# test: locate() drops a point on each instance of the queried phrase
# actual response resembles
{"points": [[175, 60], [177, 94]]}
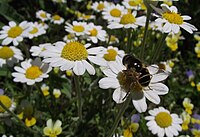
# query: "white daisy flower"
{"points": [[172, 20], [86, 17], [132, 4], [43, 15], [96, 33], [108, 55], [31, 71], [8, 103], [9, 55], [129, 83], [36, 50], [14, 33], [100, 6], [70, 37], [71, 56], [78, 28], [35, 30], [162, 123], [56, 19], [128, 20], [114, 12], [45, 26]]}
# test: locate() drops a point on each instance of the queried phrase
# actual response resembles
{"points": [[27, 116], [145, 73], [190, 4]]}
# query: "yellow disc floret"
{"points": [[172, 17], [34, 30], [43, 15], [100, 6], [56, 17], [93, 32], [78, 28], [74, 51], [111, 55], [15, 31], [127, 19], [163, 119], [33, 72], [115, 12], [6, 101], [6, 53]]}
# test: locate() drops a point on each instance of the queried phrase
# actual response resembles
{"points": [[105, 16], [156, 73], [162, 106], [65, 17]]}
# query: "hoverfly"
{"points": [[131, 62]]}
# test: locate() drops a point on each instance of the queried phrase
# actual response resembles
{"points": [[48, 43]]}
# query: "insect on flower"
{"points": [[136, 76]]}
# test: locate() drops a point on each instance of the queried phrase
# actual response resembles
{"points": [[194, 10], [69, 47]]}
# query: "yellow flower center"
{"points": [[86, 16], [6, 101], [111, 55], [100, 6], [78, 28], [127, 19], [56, 17], [6, 53], [173, 17], [43, 15], [15, 31], [115, 12], [163, 119], [34, 30], [33, 72], [162, 66], [74, 51], [93, 32]]}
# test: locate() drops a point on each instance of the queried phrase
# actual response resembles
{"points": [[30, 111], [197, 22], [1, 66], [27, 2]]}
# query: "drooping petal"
{"points": [[152, 96], [119, 95], [90, 69], [79, 68], [140, 105]]}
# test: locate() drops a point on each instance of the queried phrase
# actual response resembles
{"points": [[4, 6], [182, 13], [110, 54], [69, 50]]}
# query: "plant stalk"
{"points": [[79, 99], [119, 115], [158, 48]]}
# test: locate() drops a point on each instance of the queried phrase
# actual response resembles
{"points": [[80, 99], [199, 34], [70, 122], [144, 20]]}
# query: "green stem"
{"points": [[15, 116], [79, 99], [143, 45], [158, 48], [129, 41], [45, 100], [119, 115]]}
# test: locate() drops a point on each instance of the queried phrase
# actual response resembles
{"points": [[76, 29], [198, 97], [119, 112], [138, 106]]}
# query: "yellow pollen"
{"points": [[56, 17], [6, 53], [6, 101], [115, 13], [34, 30], [127, 19], [163, 119], [74, 51], [173, 17], [78, 28], [111, 55], [15, 31], [100, 6], [33, 72], [93, 32], [162, 66], [43, 15], [86, 16]]}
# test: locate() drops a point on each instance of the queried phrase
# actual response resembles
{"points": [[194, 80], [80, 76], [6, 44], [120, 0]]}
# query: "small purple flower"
{"points": [[196, 116], [190, 75], [1, 91], [135, 118]]}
